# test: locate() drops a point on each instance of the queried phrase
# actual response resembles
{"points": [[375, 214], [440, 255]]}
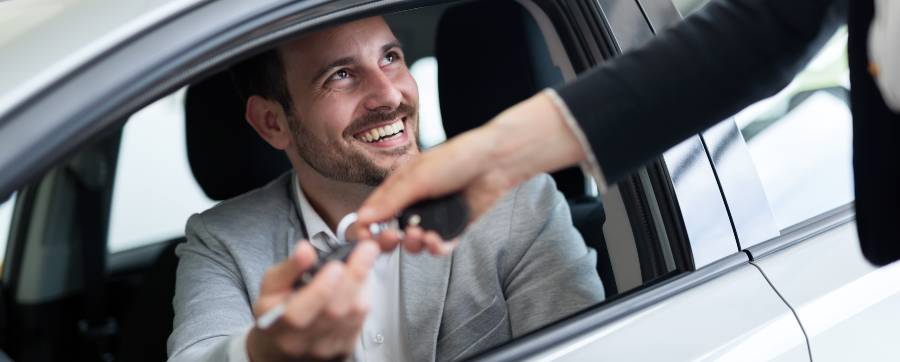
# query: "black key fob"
{"points": [[447, 216], [341, 253]]}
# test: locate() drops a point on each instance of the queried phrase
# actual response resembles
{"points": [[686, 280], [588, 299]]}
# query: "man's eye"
{"points": [[341, 74], [390, 58]]}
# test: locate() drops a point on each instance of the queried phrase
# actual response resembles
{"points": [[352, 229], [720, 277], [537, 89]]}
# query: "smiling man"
{"points": [[343, 106]]}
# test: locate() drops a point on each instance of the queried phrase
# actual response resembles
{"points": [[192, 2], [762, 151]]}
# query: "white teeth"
{"points": [[389, 130]]}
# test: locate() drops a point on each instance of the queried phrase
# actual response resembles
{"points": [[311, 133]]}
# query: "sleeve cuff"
{"points": [[237, 347], [589, 166]]}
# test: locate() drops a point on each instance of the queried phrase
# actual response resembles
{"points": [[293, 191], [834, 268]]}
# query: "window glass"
{"points": [[431, 128], [6, 211], [155, 192], [686, 7], [800, 139]]}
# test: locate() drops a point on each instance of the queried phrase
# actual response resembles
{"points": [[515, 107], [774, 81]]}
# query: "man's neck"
{"points": [[331, 199]]}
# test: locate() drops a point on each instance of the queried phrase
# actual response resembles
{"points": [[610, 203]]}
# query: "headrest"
{"points": [[491, 55], [483, 62], [226, 155]]}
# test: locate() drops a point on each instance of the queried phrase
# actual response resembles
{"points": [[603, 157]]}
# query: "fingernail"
{"points": [[333, 272], [369, 247], [366, 213]]}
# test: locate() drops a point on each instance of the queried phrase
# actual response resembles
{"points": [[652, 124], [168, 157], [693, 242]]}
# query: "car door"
{"points": [[708, 303], [724, 308], [785, 167]]}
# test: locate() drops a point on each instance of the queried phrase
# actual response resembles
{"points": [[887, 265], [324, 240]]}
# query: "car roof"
{"points": [[43, 40]]}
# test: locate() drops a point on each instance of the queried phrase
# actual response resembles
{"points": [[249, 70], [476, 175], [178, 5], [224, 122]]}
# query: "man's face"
{"points": [[355, 104]]}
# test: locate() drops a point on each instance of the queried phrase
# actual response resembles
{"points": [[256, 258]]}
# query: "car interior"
{"points": [[73, 298]]}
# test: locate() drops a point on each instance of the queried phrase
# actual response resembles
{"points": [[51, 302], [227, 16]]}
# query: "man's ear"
{"points": [[269, 120]]}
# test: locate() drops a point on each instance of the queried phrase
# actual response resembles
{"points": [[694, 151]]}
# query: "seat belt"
{"points": [[97, 328]]}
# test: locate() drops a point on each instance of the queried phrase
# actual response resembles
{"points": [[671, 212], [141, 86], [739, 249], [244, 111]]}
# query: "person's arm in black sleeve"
{"points": [[626, 111], [722, 58]]}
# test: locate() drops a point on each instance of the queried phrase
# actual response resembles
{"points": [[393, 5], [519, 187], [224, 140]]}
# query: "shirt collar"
{"points": [[317, 231]]}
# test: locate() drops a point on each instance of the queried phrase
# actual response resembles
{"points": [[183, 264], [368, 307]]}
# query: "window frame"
{"points": [[690, 163], [691, 169], [755, 226], [5, 237], [211, 48]]}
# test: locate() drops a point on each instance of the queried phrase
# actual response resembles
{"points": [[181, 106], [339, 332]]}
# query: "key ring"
{"points": [[350, 219], [345, 223]]}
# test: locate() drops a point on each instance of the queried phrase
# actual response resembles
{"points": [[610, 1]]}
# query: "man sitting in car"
{"points": [[342, 105]]}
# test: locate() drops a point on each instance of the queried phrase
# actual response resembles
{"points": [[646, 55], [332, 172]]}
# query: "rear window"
{"points": [[155, 191]]}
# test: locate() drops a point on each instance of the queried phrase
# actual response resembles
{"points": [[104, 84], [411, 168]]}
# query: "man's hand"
{"points": [[323, 319]]}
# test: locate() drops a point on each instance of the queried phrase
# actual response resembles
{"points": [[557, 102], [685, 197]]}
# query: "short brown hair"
{"points": [[263, 75]]}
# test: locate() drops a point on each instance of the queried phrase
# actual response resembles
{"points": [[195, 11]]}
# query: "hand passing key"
{"points": [[433, 225]]}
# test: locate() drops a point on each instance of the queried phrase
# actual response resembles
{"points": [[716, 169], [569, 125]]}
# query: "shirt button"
{"points": [[378, 338]]}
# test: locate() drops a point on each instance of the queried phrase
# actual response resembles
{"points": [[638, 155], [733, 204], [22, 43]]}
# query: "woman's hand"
{"points": [[483, 164]]}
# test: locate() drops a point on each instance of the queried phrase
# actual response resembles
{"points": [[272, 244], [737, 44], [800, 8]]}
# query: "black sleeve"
{"points": [[722, 58]]}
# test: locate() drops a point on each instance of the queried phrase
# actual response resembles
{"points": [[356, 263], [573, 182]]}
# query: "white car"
{"points": [[117, 121]]}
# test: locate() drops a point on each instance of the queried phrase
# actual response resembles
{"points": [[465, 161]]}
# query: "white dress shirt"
{"points": [[884, 53], [381, 338]]}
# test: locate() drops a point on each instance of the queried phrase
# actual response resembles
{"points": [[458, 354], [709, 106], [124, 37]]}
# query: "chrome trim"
{"points": [[660, 14], [563, 333], [626, 21], [804, 231], [744, 195], [703, 209]]}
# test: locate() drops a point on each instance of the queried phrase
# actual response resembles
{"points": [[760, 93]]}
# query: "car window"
{"points": [[6, 211], [431, 127], [154, 191], [800, 139], [686, 7]]}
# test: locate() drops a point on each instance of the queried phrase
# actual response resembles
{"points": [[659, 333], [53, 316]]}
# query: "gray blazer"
{"points": [[521, 266]]}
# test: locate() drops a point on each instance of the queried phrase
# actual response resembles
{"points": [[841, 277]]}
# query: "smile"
{"points": [[382, 133]]}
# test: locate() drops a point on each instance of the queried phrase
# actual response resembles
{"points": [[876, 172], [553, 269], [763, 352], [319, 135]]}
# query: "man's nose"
{"points": [[383, 93]]}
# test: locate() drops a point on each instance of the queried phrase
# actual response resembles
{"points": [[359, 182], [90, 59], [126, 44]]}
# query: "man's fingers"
{"points": [[412, 241], [348, 289], [362, 259], [388, 240], [280, 277], [434, 243], [306, 304]]}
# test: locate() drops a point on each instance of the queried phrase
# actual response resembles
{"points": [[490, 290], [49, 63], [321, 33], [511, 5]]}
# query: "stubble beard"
{"points": [[344, 164]]}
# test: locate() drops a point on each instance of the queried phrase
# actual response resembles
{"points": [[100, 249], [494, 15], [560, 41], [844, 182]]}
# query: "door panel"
{"points": [[847, 306], [736, 316]]}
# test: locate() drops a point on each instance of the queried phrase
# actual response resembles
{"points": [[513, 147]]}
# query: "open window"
{"points": [[471, 60]]}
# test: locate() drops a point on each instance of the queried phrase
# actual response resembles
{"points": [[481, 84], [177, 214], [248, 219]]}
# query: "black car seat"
{"points": [[491, 55], [227, 159]]}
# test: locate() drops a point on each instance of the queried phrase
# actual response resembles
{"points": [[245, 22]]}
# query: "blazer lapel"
{"points": [[297, 229], [423, 289]]}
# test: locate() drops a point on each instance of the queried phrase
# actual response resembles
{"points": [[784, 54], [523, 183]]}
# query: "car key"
{"points": [[446, 216]]}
